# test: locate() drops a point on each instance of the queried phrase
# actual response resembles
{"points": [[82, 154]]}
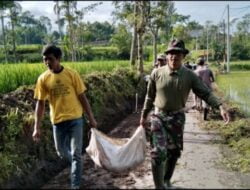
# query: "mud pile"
{"points": [[26, 164]]}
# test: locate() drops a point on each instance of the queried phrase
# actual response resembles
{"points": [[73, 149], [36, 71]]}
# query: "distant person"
{"points": [[161, 61], [65, 91], [167, 92], [206, 75]]}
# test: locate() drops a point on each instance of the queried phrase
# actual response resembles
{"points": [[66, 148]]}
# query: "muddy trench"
{"points": [[112, 98], [48, 167], [199, 167]]}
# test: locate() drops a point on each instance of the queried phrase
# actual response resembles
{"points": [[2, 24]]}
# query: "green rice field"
{"points": [[13, 76], [236, 86]]}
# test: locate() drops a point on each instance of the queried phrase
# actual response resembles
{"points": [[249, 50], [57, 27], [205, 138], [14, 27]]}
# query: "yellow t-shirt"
{"points": [[61, 90]]}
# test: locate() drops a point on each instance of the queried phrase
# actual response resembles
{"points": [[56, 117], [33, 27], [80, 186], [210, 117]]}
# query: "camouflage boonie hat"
{"points": [[177, 45], [161, 57]]}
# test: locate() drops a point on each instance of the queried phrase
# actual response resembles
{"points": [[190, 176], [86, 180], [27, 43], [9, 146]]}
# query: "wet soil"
{"points": [[199, 166]]}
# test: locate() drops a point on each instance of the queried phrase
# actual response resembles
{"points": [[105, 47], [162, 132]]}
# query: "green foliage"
{"points": [[29, 48], [9, 154], [25, 54], [180, 32], [30, 58], [236, 134], [13, 129], [218, 51], [147, 53], [110, 95], [238, 138], [14, 75], [32, 54], [98, 31], [105, 53], [18, 153], [240, 66], [122, 40], [240, 50]]}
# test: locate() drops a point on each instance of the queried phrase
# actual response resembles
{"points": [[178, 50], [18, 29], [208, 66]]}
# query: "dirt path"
{"points": [[198, 166]]}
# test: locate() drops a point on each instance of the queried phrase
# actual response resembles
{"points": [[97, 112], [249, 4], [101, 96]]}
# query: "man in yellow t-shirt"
{"points": [[65, 91]]}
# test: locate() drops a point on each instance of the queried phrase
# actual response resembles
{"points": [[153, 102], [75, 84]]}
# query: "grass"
{"points": [[104, 48], [235, 86], [240, 65], [13, 76], [236, 134]]}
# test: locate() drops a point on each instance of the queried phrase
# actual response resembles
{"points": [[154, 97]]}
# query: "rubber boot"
{"points": [[205, 113], [158, 171], [169, 170]]}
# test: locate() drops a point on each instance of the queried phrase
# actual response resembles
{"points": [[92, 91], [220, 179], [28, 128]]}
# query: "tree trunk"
{"points": [[70, 28], [58, 21], [155, 35], [4, 38], [73, 54], [14, 39], [133, 51], [142, 6], [140, 53]]}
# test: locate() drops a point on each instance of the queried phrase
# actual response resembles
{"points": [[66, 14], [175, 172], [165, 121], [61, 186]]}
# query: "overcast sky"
{"points": [[200, 11]]}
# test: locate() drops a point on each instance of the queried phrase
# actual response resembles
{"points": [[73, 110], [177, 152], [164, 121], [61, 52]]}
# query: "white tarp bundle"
{"points": [[117, 154]]}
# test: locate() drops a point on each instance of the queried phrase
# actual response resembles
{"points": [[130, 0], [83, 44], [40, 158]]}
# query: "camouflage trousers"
{"points": [[166, 135]]}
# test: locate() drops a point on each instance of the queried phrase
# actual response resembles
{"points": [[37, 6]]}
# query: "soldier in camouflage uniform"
{"points": [[167, 92]]}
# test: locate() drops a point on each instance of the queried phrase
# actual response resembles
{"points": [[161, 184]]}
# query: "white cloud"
{"points": [[200, 11], [38, 8]]}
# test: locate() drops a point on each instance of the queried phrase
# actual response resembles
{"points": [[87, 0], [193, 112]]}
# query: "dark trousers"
{"points": [[171, 161]]}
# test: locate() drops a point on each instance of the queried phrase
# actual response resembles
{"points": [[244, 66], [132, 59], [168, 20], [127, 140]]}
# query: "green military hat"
{"points": [[161, 56], [177, 45]]}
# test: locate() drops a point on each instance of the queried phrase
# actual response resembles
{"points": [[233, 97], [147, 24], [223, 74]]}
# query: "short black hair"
{"points": [[52, 49], [200, 61]]}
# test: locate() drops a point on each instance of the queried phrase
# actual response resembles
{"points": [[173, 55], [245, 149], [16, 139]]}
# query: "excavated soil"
{"points": [[199, 166]]}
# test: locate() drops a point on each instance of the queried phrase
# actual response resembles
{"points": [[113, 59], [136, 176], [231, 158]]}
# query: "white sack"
{"points": [[117, 154]]}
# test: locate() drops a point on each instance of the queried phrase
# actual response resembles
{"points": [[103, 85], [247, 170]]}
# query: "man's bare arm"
{"points": [[85, 103], [39, 112]]}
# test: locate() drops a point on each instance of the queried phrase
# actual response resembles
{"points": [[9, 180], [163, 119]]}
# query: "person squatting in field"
{"points": [[167, 91], [65, 91]]}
